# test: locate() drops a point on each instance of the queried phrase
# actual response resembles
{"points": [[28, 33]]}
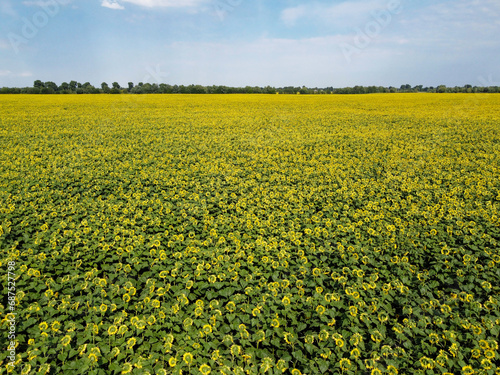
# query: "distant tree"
{"points": [[441, 88], [51, 86], [130, 86], [38, 84], [105, 88], [30, 90], [116, 85], [64, 86], [136, 90], [270, 90], [73, 85], [147, 88]]}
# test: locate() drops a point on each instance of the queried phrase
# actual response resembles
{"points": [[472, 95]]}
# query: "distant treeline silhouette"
{"points": [[75, 87]]}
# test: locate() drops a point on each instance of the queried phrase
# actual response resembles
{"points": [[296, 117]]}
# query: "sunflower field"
{"points": [[250, 234]]}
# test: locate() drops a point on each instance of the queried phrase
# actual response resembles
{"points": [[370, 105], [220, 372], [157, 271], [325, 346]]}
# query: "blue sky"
{"points": [[251, 42]]}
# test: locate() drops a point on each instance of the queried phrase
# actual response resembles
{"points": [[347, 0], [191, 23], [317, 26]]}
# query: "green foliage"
{"points": [[252, 234]]}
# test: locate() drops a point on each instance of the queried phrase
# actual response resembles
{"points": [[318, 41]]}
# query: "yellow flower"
{"points": [[235, 350], [66, 340], [467, 370], [115, 351], [205, 369], [484, 344], [355, 353], [296, 372], [489, 354], [131, 342], [207, 328], [112, 330], [123, 328], [476, 353], [353, 310], [55, 326], [320, 309], [323, 335], [187, 358], [198, 311], [172, 362], [345, 364], [127, 368], [93, 358], [285, 301], [126, 298], [275, 323]]}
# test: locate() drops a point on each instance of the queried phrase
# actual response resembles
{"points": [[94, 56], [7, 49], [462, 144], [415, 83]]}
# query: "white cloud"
{"points": [[45, 3], [341, 13], [7, 9], [166, 3], [456, 27], [290, 15], [111, 5], [4, 44], [9, 73]]}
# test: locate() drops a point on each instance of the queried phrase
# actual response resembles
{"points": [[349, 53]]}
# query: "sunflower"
{"points": [[112, 330], [127, 368], [115, 351], [172, 361], [66, 340], [55, 326], [235, 350], [320, 309], [26, 369], [344, 364], [207, 328], [205, 369], [187, 358], [489, 354], [131, 342], [353, 310], [355, 353], [163, 274]]}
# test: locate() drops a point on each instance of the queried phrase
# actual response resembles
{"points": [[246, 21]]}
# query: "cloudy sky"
{"points": [[251, 42]]}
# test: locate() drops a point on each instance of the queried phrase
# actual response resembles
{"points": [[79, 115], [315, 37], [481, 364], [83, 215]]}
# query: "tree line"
{"points": [[75, 87]]}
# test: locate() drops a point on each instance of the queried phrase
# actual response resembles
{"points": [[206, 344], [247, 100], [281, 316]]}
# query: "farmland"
{"points": [[246, 234]]}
